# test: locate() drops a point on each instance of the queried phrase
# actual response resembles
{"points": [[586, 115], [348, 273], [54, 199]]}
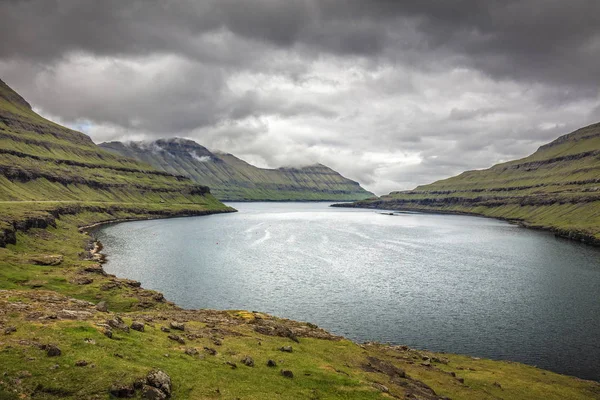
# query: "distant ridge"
{"points": [[555, 188], [231, 178]]}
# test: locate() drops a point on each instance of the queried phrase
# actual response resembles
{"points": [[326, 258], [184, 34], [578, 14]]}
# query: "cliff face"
{"points": [[557, 188], [48, 165], [230, 178]]}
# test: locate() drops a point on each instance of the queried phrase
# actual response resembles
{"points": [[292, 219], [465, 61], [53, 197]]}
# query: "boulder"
{"points": [[152, 393], [102, 306], [287, 373], [271, 363], [137, 326], [286, 349], [160, 380], [248, 361], [177, 326], [122, 391], [53, 351]]}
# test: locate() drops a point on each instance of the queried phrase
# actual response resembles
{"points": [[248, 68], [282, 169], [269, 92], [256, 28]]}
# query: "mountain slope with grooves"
{"points": [[230, 178], [56, 170], [556, 188]]}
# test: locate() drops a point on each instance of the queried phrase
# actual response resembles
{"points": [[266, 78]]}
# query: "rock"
{"points": [[108, 333], [152, 393], [118, 323], [122, 391], [102, 306], [286, 349], [461, 380], [497, 385], [232, 365], [51, 260], [248, 361], [217, 342], [177, 326], [83, 280], [210, 351], [160, 380], [190, 351], [287, 373], [74, 314], [381, 387], [271, 363], [53, 351], [139, 383], [426, 363], [159, 297], [165, 329], [95, 269], [177, 339], [131, 283], [9, 330], [81, 363], [137, 326], [24, 374]]}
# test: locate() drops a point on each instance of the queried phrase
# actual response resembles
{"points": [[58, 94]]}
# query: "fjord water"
{"points": [[440, 282]]}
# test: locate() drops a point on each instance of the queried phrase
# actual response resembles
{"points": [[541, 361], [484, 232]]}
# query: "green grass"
{"points": [[556, 188]]}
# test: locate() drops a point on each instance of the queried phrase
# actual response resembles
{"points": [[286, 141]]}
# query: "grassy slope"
{"points": [[233, 179], [557, 188], [54, 304]]}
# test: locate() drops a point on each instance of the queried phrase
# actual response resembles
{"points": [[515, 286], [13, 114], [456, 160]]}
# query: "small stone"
{"points": [[55, 366], [9, 330], [381, 387], [248, 361], [152, 393], [118, 355], [231, 364], [271, 363], [497, 385], [102, 306], [217, 342], [190, 351], [89, 341], [137, 326], [108, 333], [122, 391], [426, 363], [287, 373], [210, 351], [165, 329], [118, 323], [139, 383], [81, 363], [160, 380], [461, 380], [177, 326], [286, 349], [53, 351], [177, 339]]}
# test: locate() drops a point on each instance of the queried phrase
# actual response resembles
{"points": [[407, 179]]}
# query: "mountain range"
{"points": [[556, 188], [233, 179]]}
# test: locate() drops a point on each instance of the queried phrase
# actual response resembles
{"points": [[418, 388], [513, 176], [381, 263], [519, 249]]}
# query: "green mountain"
{"points": [[230, 178], [47, 169], [556, 188]]}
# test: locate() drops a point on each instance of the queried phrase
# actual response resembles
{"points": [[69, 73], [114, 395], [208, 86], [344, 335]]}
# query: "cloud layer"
{"points": [[390, 94]]}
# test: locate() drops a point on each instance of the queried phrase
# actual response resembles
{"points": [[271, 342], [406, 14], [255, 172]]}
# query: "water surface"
{"points": [[440, 282]]}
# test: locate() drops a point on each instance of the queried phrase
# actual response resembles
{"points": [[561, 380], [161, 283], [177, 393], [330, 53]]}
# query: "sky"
{"points": [[392, 94]]}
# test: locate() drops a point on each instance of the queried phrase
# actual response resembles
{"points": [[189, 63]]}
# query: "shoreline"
{"points": [[569, 235]]}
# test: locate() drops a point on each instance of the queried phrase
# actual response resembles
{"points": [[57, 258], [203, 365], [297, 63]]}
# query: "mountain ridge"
{"points": [[556, 188], [233, 179]]}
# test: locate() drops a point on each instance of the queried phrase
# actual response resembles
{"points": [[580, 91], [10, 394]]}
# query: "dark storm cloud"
{"points": [[389, 92]]}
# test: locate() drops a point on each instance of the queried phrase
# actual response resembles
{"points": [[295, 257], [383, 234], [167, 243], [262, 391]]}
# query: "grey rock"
{"points": [[286, 349], [271, 363], [152, 393], [102, 306], [122, 391], [287, 373], [137, 326], [381, 388], [160, 380], [81, 363], [177, 326], [248, 361], [177, 339], [53, 351]]}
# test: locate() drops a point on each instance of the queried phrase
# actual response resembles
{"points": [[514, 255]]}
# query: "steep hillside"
{"points": [[230, 178], [57, 170], [557, 188]]}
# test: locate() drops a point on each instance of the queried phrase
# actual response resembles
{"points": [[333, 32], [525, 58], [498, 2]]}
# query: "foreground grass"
{"points": [[55, 305]]}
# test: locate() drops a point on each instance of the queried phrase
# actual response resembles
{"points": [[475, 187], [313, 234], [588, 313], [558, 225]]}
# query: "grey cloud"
{"points": [[387, 92]]}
